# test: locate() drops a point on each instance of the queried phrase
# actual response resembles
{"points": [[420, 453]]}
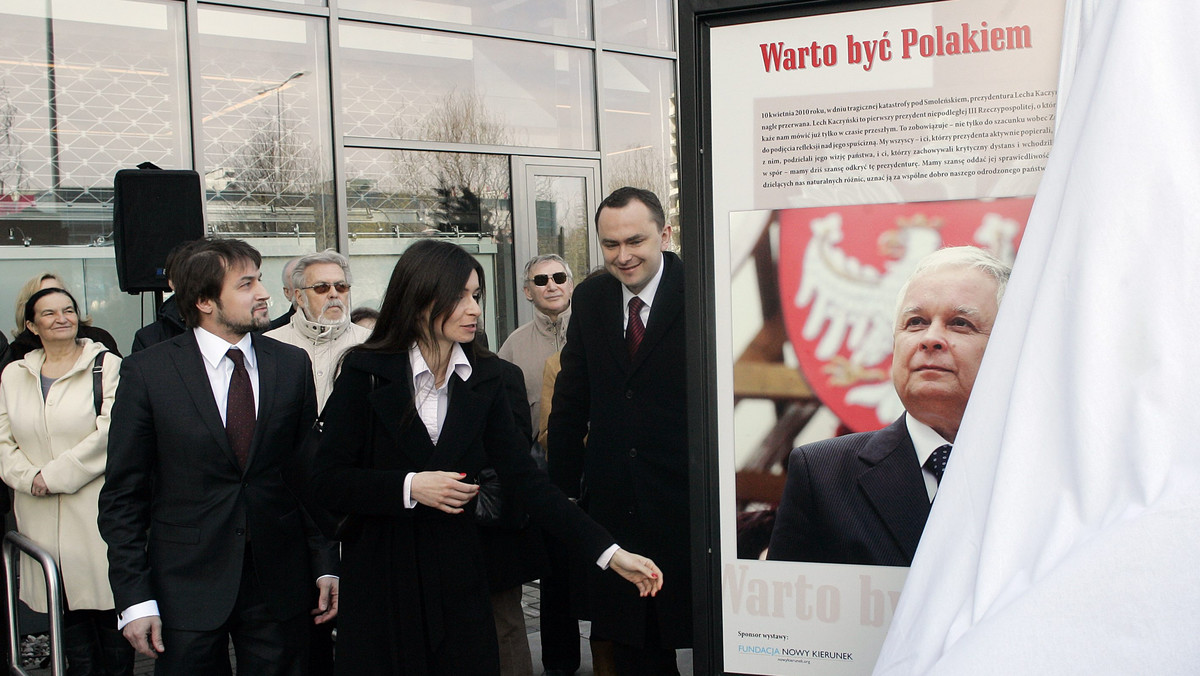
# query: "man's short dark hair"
{"points": [[200, 273], [623, 196]]}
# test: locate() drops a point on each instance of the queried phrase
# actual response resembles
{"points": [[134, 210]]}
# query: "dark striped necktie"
{"points": [[636, 330], [240, 416]]}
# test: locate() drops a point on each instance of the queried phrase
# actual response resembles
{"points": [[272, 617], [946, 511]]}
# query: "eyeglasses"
{"points": [[543, 280], [323, 287]]}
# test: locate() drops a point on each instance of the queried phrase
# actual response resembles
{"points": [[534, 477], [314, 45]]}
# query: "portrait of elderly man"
{"points": [[321, 323], [864, 498]]}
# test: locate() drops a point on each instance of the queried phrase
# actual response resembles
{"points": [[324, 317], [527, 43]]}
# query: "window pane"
{"points": [[639, 123], [428, 86], [397, 197], [562, 220], [268, 154], [560, 18], [105, 91], [638, 23]]}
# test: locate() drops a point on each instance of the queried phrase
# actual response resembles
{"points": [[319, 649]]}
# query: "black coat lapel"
{"points": [[613, 321], [894, 485], [268, 381], [467, 413], [192, 371], [394, 407]]}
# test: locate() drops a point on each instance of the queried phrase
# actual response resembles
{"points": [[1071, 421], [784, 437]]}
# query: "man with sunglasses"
{"points": [[321, 323], [548, 285]]}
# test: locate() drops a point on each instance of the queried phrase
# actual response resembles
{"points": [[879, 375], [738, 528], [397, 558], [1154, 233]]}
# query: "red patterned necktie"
{"points": [[636, 330], [239, 408]]}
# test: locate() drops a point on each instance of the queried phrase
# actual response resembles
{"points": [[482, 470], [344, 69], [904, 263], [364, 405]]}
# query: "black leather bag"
{"points": [[494, 506]]}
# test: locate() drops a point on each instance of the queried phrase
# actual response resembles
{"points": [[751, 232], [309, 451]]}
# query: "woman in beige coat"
{"points": [[53, 448]]}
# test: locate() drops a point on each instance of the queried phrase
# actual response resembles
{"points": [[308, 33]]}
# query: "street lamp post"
{"points": [[276, 146]]}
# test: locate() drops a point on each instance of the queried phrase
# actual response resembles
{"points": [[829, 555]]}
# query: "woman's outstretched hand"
{"points": [[442, 490], [639, 570]]}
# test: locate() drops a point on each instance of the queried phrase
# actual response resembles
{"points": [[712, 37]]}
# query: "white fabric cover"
{"points": [[1065, 538]]}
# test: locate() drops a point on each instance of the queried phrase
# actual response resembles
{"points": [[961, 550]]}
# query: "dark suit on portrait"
{"points": [[633, 414], [179, 514], [414, 587], [860, 499]]}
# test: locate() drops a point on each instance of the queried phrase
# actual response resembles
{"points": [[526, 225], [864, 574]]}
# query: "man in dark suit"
{"points": [[864, 498], [623, 387], [206, 541]]}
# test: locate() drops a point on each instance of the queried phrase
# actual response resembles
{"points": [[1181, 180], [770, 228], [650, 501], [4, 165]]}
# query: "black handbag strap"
{"points": [[98, 382]]}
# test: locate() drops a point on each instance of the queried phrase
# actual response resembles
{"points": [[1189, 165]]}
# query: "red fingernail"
{"points": [[462, 474], [654, 575]]}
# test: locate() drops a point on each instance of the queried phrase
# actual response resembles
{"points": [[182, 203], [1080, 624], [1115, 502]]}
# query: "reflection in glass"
{"points": [[84, 91], [268, 153], [561, 18], [562, 219], [637, 23], [398, 196], [426, 86], [639, 123]]}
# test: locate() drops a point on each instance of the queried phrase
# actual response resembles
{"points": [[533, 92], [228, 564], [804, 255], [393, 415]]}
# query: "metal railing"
{"points": [[14, 544]]}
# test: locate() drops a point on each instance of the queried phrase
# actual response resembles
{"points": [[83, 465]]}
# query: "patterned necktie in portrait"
{"points": [[936, 462]]}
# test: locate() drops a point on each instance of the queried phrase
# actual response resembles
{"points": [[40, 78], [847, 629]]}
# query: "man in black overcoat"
{"points": [[623, 387], [206, 540]]}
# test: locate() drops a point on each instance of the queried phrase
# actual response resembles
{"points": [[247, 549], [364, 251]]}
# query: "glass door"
{"points": [[553, 203]]}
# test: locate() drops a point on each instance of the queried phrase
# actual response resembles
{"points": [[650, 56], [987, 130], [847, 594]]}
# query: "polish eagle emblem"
{"points": [[841, 270]]}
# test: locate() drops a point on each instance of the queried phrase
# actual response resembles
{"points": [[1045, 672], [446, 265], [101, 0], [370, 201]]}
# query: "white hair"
{"points": [[958, 257]]}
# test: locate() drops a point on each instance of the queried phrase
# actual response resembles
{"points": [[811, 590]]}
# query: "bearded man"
{"points": [[321, 324]]}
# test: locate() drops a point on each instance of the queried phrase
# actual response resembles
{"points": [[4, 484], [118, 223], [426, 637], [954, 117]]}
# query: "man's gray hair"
{"points": [[326, 256], [538, 260], [288, 268], [958, 257]]}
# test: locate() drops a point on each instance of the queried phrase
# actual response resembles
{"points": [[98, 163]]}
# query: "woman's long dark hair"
{"points": [[430, 275]]}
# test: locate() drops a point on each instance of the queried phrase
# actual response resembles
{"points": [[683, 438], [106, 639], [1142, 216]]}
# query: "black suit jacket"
{"points": [[633, 414], [859, 498], [176, 510]]}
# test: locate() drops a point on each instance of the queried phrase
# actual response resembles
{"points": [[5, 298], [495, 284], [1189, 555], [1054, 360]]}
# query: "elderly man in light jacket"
{"points": [[321, 324]]}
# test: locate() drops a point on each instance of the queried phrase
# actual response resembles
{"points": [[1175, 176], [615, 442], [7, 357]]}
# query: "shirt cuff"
{"points": [[325, 576], [409, 503], [606, 557], [136, 612]]}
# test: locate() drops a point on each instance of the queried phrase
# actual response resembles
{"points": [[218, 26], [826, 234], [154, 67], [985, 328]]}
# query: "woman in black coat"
{"points": [[416, 413]]}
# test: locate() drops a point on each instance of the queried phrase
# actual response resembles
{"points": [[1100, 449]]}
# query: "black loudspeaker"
{"points": [[153, 211]]}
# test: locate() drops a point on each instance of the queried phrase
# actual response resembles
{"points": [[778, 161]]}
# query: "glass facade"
{"points": [[265, 126], [360, 127]]}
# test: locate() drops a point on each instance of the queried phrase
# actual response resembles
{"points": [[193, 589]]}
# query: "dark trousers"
{"points": [[262, 645], [320, 648], [560, 629], [649, 659], [93, 646], [515, 658]]}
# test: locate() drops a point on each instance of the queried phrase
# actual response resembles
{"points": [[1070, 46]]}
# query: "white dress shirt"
{"points": [[432, 401], [647, 295]]}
